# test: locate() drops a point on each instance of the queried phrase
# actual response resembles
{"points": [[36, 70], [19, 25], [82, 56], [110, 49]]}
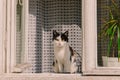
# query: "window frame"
{"points": [[89, 23], [8, 35], [2, 37]]}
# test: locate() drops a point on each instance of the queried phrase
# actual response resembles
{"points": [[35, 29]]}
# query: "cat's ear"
{"points": [[55, 33], [66, 33]]}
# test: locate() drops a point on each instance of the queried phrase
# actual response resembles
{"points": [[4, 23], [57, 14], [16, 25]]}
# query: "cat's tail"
{"points": [[78, 61]]}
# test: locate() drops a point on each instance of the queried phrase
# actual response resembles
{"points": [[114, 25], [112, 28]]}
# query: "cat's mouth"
{"points": [[60, 46]]}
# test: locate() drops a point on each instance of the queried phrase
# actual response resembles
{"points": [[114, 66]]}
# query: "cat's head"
{"points": [[60, 39]]}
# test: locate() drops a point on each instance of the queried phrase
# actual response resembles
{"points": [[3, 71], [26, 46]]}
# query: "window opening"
{"points": [[45, 16], [19, 33], [103, 14]]}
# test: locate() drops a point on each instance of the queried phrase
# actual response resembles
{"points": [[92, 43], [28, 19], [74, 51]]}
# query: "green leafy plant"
{"points": [[111, 29]]}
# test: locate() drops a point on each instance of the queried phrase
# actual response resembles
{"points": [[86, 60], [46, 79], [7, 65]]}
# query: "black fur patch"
{"points": [[75, 60], [54, 62], [64, 36], [71, 53], [55, 34]]}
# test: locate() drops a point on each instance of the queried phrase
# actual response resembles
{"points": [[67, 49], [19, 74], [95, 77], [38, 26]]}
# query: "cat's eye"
{"points": [[57, 39]]}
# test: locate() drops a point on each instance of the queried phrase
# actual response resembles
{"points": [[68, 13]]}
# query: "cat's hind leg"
{"points": [[73, 66]]}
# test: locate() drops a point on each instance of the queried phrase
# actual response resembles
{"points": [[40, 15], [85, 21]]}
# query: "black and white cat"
{"points": [[64, 56]]}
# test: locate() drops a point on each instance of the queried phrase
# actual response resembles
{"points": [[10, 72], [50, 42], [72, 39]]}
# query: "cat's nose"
{"points": [[59, 44]]}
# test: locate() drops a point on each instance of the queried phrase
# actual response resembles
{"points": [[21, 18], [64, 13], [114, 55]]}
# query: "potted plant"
{"points": [[111, 32]]}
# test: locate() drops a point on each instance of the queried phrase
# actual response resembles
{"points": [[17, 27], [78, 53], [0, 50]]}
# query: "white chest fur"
{"points": [[62, 54]]}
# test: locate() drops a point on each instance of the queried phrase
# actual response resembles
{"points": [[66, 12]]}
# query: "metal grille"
{"points": [[101, 12], [45, 16]]}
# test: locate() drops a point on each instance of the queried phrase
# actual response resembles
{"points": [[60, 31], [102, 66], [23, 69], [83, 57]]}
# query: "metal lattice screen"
{"points": [[101, 12], [45, 16]]}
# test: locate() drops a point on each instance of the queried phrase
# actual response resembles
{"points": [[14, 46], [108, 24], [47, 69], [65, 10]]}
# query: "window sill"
{"points": [[43, 76], [53, 76], [103, 71]]}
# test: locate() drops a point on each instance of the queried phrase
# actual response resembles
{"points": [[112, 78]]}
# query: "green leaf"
{"points": [[109, 47], [110, 30], [111, 15], [111, 38], [118, 42], [110, 22], [113, 32]]}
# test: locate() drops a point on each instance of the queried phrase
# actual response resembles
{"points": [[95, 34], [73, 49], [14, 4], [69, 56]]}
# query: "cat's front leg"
{"points": [[55, 66], [67, 66], [60, 66]]}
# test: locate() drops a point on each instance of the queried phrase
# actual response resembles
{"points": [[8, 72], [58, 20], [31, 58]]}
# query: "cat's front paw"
{"points": [[55, 66]]}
